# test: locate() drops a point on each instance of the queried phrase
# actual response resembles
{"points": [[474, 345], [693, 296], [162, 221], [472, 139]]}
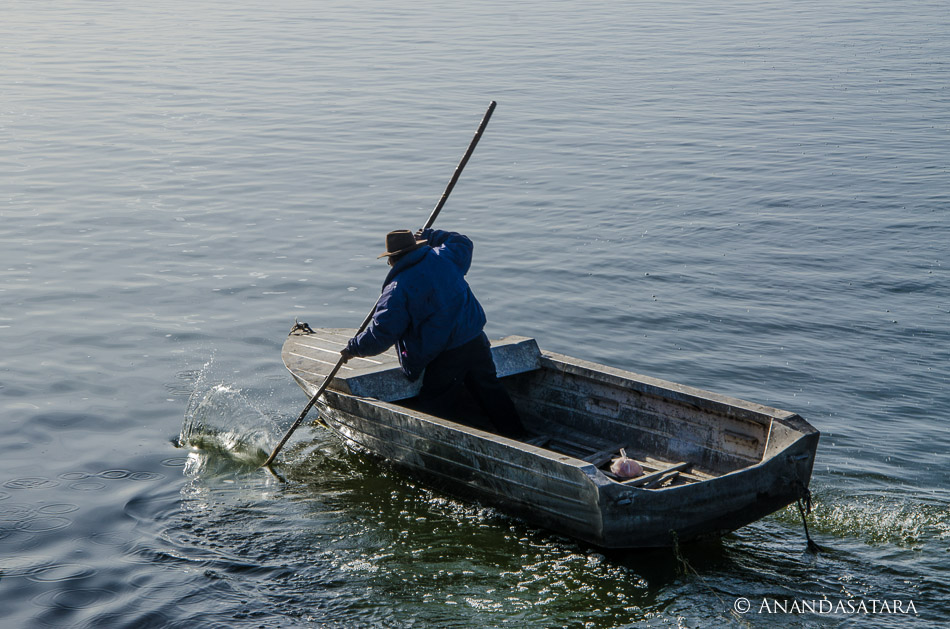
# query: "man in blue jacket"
{"points": [[427, 310]]}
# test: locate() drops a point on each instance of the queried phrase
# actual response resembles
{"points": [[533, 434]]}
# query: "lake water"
{"points": [[747, 197]]}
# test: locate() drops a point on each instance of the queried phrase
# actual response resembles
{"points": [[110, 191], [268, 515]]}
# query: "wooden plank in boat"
{"points": [[581, 446], [539, 441], [692, 475], [671, 478], [641, 481], [657, 473], [314, 355], [599, 458]]}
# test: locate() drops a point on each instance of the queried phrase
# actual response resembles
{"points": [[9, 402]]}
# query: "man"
{"points": [[428, 311]]}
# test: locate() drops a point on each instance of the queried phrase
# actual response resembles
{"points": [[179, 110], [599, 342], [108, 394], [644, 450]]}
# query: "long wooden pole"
{"points": [[458, 169], [369, 317]]}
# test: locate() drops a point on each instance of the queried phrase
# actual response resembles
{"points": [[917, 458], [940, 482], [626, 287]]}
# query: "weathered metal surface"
{"points": [[312, 356], [650, 416], [744, 460]]}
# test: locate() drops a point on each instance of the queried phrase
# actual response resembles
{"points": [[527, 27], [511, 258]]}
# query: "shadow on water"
{"points": [[369, 489], [662, 566]]}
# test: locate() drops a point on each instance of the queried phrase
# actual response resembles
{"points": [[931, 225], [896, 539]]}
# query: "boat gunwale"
{"points": [[703, 399], [665, 389]]}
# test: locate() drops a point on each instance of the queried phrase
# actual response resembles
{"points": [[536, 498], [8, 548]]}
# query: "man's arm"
{"points": [[390, 320]]}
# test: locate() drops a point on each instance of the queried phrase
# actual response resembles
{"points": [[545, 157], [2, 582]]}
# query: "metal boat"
{"points": [[711, 463]]}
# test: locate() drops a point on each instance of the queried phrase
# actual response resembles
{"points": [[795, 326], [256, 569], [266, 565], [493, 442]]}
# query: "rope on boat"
{"points": [[300, 326], [804, 509]]}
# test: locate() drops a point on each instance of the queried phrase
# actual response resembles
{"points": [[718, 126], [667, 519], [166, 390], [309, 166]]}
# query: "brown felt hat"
{"points": [[399, 242]]}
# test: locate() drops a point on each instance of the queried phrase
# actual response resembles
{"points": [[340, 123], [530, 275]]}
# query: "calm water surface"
{"points": [[748, 197]]}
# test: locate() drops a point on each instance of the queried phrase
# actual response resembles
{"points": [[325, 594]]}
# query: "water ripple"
{"points": [[60, 572], [32, 482], [74, 598], [747, 197]]}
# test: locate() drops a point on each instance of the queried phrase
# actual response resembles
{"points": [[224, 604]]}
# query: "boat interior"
{"points": [[676, 438], [675, 435]]}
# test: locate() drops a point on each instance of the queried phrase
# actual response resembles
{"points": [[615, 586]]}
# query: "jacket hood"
{"points": [[408, 260]]}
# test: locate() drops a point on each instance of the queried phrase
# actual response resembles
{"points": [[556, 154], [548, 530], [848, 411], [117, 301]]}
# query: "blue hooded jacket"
{"points": [[426, 306]]}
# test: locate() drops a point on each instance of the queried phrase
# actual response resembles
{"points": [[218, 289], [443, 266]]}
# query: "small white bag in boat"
{"points": [[625, 467]]}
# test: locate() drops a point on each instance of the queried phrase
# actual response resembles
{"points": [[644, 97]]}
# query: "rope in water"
{"points": [[685, 567], [804, 510]]}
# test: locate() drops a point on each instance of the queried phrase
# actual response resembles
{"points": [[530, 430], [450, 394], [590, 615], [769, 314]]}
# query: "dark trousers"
{"points": [[469, 367]]}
